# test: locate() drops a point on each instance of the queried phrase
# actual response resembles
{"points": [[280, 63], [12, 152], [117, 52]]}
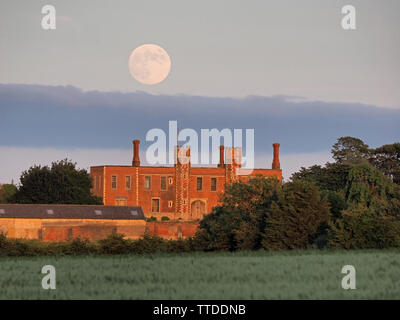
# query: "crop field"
{"points": [[244, 275]]}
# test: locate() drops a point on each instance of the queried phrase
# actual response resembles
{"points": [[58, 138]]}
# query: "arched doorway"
{"points": [[197, 209]]}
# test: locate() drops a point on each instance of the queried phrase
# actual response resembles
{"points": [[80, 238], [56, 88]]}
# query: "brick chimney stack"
{"points": [[136, 159], [221, 157], [275, 163], [182, 155]]}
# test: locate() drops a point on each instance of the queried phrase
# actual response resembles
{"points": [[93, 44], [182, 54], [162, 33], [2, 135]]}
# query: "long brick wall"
{"points": [[67, 229], [172, 229]]}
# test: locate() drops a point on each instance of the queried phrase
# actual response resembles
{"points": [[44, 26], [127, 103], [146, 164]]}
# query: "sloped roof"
{"points": [[49, 211]]}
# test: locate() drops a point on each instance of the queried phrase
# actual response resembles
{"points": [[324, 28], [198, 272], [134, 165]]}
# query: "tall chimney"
{"points": [[136, 160], [221, 157], [237, 156], [275, 163]]}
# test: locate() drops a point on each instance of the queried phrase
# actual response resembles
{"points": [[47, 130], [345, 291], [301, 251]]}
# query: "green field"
{"points": [[244, 275]]}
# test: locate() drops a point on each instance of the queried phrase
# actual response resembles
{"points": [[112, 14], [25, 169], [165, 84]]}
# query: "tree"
{"points": [[7, 192], [350, 150], [366, 186], [239, 222], [361, 228], [331, 180], [296, 218], [369, 188], [337, 202], [62, 183], [217, 229], [372, 216], [332, 177], [387, 159]]}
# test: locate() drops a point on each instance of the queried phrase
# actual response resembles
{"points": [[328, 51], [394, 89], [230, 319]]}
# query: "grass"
{"points": [[243, 275]]}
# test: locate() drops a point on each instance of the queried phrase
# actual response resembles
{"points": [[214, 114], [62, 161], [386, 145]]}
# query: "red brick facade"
{"points": [[172, 229], [177, 192], [55, 222]]}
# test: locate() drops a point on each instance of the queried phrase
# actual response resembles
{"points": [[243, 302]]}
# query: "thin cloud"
{"points": [[67, 117]]}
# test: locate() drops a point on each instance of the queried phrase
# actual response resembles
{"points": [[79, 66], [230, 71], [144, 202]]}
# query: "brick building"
{"points": [[177, 192], [51, 222]]}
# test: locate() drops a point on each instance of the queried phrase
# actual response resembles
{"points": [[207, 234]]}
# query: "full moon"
{"points": [[149, 64]]}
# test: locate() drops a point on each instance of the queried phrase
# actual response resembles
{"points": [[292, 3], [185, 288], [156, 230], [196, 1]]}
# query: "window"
{"points": [[170, 203], [155, 205], [213, 184], [163, 183], [127, 182], [147, 182], [95, 182], [134, 212], [113, 182], [199, 183], [170, 180], [120, 202]]}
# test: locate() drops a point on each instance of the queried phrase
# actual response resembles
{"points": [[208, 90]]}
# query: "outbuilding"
{"points": [[66, 222]]}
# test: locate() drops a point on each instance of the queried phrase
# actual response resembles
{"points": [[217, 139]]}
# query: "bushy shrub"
{"points": [[337, 203], [239, 222], [164, 218], [361, 228], [3, 242], [149, 244], [332, 177], [77, 246], [114, 244], [21, 247], [296, 218], [367, 186], [217, 230], [155, 244], [372, 219], [61, 183], [7, 193], [393, 201]]}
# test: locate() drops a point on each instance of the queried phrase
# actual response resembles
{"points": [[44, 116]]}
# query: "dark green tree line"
{"points": [[61, 183], [351, 203]]}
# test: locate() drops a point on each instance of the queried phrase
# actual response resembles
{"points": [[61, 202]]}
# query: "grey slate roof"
{"points": [[49, 211]]}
